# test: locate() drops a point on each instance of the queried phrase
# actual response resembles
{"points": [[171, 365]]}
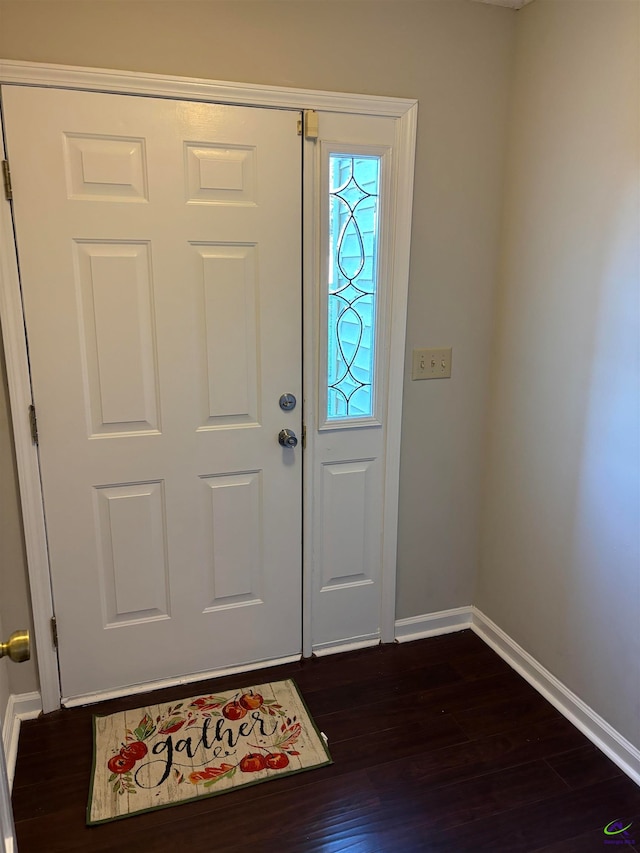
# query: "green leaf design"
{"points": [[145, 728], [228, 775], [214, 700], [170, 723], [112, 778], [288, 737]]}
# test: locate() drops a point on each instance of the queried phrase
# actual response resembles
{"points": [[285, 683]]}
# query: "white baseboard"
{"points": [[621, 751], [433, 624], [24, 706]]}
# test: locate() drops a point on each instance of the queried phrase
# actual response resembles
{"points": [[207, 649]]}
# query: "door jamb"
{"points": [[15, 343]]}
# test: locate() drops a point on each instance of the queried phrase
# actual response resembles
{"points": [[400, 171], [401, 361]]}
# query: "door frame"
{"points": [[14, 333]]}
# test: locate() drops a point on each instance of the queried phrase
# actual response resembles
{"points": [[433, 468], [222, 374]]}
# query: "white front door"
{"points": [[159, 252]]}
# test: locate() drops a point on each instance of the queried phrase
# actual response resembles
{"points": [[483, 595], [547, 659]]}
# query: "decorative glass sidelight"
{"points": [[354, 182]]}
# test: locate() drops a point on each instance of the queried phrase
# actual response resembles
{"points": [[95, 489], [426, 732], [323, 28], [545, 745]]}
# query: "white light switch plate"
{"points": [[431, 364]]}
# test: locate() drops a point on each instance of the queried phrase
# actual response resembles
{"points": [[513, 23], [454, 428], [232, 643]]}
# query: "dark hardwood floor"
{"points": [[437, 746]]}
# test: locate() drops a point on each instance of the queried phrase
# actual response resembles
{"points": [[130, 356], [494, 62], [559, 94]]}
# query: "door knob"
{"points": [[17, 647], [287, 438]]}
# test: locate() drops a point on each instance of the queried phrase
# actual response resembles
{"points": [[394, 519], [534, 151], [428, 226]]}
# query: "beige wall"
{"points": [[5, 690], [561, 551], [455, 57]]}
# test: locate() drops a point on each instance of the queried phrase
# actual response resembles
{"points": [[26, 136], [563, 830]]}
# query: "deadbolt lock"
{"points": [[287, 402]]}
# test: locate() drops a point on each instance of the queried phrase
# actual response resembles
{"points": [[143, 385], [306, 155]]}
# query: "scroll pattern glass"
{"points": [[353, 250]]}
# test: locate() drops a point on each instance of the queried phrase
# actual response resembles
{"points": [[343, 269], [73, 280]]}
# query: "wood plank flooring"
{"points": [[437, 745]]}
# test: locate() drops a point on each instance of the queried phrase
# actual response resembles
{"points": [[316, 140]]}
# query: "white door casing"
{"points": [[161, 282], [403, 113]]}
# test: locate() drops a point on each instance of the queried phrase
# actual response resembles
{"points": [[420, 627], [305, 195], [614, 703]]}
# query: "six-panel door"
{"points": [[159, 250]]}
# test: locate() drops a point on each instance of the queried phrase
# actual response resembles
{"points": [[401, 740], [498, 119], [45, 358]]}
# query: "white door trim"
{"points": [[15, 343], [28, 465], [195, 89], [406, 131]]}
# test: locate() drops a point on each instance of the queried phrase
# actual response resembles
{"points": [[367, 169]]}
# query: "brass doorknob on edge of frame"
{"points": [[17, 647]]}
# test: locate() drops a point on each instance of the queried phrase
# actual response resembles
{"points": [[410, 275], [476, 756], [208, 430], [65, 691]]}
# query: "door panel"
{"points": [[159, 250]]}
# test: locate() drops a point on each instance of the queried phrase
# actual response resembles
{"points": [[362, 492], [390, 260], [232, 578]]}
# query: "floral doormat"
{"points": [[164, 755]]}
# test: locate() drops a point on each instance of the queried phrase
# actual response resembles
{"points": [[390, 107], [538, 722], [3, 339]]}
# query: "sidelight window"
{"points": [[352, 295]]}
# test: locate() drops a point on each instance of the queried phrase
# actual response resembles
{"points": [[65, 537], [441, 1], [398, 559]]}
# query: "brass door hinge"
{"points": [[308, 124], [6, 176], [54, 631], [304, 436], [34, 424]]}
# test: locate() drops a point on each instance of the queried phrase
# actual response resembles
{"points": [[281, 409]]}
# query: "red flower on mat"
{"points": [[234, 711], [253, 762], [135, 750], [120, 763], [276, 760], [250, 701]]}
